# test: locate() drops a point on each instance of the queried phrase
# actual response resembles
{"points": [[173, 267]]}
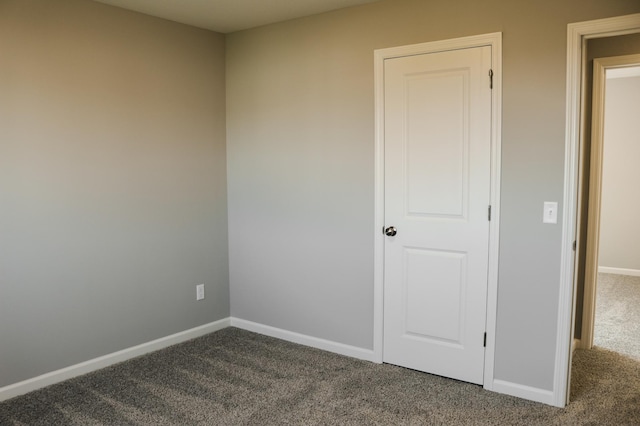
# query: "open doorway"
{"points": [[611, 303], [601, 56], [614, 37]]}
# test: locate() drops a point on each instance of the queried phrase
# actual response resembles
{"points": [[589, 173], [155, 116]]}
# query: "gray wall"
{"points": [[112, 174], [300, 123], [112, 182], [620, 211]]}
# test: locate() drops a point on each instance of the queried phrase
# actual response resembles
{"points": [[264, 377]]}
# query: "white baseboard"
{"points": [[526, 392], [72, 371], [20, 388], [618, 271], [302, 339]]}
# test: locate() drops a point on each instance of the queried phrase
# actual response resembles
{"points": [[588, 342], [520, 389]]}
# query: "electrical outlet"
{"points": [[550, 212], [200, 292]]}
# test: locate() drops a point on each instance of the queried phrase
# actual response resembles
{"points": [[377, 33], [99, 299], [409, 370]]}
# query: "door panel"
{"points": [[436, 172], [429, 272], [437, 192]]}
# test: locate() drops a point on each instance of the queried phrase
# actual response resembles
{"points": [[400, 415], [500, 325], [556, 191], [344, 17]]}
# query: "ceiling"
{"points": [[623, 72], [227, 16]]}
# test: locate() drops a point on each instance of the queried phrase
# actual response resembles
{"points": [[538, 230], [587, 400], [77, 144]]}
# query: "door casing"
{"points": [[495, 41]]}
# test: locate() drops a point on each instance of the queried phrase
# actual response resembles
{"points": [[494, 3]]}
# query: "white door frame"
{"points": [[495, 41], [595, 190], [577, 36]]}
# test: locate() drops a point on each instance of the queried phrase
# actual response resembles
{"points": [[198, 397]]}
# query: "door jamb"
{"points": [[577, 35], [495, 41]]}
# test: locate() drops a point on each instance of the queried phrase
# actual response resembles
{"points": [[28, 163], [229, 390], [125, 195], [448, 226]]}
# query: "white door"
{"points": [[437, 134]]}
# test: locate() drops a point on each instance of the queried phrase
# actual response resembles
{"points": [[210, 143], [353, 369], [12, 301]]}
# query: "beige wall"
{"points": [[112, 182], [300, 157], [620, 211]]}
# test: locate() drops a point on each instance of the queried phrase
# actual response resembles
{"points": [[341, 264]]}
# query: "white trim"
{"points": [[85, 367], [576, 35], [527, 392], [303, 339], [494, 228], [619, 271], [495, 41], [378, 239]]}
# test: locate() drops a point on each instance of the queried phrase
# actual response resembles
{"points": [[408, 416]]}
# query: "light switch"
{"points": [[550, 214]]}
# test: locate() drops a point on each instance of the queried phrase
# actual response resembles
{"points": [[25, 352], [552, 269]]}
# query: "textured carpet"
{"points": [[234, 377], [617, 325]]}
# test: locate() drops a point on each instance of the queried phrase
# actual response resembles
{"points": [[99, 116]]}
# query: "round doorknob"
{"points": [[390, 231]]}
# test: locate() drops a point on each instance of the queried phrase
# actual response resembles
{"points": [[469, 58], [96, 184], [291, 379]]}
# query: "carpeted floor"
{"points": [[617, 325], [234, 377]]}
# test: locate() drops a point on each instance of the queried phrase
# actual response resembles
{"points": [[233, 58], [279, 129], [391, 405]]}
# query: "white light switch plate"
{"points": [[550, 213], [200, 292]]}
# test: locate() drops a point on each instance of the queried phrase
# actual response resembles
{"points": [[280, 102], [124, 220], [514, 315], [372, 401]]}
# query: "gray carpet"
{"points": [[617, 326], [234, 377]]}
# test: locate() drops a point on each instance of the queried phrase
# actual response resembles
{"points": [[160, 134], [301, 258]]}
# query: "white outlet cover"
{"points": [[550, 212]]}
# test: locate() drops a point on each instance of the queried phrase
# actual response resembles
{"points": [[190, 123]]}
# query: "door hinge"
{"points": [[489, 214], [575, 245], [485, 340], [490, 79]]}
